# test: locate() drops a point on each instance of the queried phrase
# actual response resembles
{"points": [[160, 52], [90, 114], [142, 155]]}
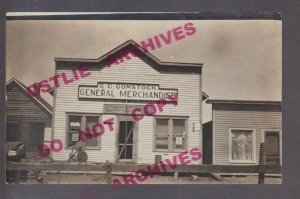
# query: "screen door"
{"points": [[125, 151]]}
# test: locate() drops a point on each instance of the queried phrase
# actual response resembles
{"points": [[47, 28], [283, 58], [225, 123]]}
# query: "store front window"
{"points": [[170, 134], [77, 122]]}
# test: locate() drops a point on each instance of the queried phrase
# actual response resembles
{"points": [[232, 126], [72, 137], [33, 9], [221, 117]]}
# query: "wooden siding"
{"points": [[21, 109], [132, 71], [223, 120], [47, 134]]}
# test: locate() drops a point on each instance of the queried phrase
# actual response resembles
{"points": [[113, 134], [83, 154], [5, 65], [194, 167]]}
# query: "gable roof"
{"points": [[131, 45], [39, 101], [145, 56]]}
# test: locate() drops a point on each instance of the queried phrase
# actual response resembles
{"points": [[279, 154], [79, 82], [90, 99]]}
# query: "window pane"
{"points": [[122, 132], [128, 151], [161, 137], [36, 135], [90, 122], [74, 123], [11, 131], [161, 146], [75, 126], [92, 141], [129, 129], [123, 153], [73, 138], [178, 133], [241, 141], [161, 142], [178, 126], [162, 127]]}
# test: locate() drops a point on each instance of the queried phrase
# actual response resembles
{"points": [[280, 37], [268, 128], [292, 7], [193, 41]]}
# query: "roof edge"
{"points": [[204, 96], [254, 102], [39, 100], [120, 47]]}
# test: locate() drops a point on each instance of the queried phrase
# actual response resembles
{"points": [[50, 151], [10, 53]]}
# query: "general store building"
{"points": [[153, 138]]}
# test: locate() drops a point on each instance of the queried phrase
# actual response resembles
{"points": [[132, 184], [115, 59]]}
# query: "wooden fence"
{"points": [[109, 167]]}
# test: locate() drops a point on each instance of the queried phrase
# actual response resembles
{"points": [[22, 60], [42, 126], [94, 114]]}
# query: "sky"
{"points": [[241, 58]]}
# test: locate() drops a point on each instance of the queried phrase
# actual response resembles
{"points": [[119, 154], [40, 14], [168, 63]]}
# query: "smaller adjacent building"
{"points": [[28, 119], [239, 127]]}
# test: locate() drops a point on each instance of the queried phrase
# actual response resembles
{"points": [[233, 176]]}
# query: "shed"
{"points": [[240, 126], [28, 119]]}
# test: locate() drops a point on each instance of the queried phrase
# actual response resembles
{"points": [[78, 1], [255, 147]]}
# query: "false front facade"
{"points": [[133, 103]]}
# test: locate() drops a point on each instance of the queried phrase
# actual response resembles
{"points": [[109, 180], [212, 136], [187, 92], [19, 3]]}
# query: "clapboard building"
{"points": [[28, 119], [114, 92], [239, 127]]}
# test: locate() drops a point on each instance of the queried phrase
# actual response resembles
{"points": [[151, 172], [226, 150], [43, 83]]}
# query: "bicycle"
{"points": [[78, 153]]}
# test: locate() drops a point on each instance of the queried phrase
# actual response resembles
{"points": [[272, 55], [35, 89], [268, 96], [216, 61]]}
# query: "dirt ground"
{"points": [[100, 179]]}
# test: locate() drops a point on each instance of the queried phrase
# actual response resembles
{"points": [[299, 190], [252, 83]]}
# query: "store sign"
{"points": [[75, 124], [120, 108], [125, 91]]}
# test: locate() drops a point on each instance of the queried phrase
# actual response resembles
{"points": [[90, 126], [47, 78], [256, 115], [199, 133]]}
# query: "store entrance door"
{"points": [[126, 140]]}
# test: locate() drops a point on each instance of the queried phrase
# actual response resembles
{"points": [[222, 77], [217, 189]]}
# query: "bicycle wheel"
{"points": [[82, 156]]}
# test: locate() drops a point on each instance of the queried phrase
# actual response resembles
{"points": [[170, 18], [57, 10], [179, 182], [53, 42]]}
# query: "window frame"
{"points": [[253, 161], [83, 125], [170, 148]]}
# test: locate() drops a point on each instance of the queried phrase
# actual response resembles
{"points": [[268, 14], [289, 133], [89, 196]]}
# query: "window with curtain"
{"points": [[242, 145]]}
